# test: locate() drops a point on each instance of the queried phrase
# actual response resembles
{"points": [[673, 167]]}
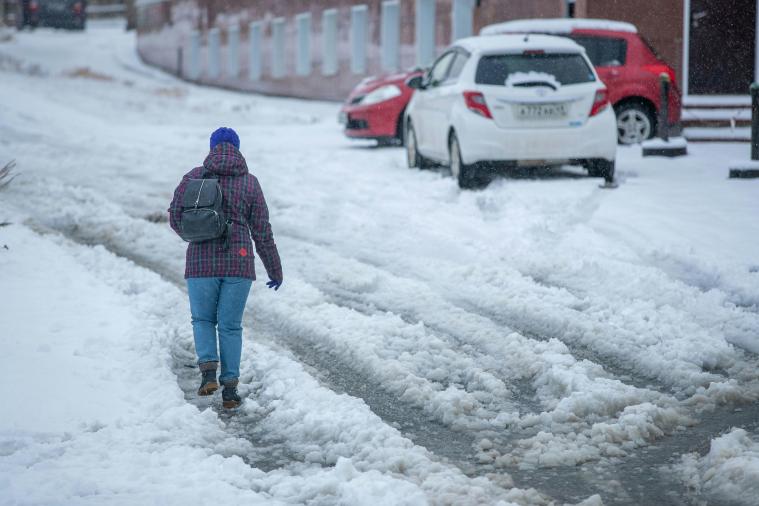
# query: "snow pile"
{"points": [[729, 473]]}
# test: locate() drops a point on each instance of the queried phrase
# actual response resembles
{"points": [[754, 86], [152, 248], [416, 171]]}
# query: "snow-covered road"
{"points": [[538, 340]]}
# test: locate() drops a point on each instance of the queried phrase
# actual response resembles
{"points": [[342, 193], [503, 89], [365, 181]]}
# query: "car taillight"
{"points": [[659, 68], [600, 101], [475, 102], [77, 8]]}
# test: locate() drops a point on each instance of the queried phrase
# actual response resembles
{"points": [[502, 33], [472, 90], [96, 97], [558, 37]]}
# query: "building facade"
{"points": [[322, 48], [311, 49]]}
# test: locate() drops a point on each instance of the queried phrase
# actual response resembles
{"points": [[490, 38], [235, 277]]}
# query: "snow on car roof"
{"points": [[519, 43], [557, 25]]}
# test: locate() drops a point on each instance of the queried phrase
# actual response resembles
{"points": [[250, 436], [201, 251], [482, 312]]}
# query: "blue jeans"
{"points": [[218, 302]]}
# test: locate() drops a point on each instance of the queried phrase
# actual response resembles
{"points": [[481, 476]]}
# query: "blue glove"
{"points": [[274, 284]]}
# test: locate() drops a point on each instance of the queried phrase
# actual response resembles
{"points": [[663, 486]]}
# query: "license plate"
{"points": [[541, 111], [342, 118]]}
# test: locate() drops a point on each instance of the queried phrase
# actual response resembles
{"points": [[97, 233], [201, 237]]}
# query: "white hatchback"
{"points": [[511, 100]]}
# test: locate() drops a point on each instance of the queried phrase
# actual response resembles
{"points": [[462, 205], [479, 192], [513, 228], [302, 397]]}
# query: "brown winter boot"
{"points": [[208, 383], [229, 397]]}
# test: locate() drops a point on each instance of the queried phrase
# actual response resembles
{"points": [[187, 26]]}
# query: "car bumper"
{"points": [[481, 140], [371, 122]]}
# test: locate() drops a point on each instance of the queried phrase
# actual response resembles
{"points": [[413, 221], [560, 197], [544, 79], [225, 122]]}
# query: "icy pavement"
{"points": [[429, 345]]}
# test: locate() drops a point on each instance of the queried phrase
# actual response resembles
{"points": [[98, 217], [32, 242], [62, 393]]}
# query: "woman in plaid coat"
{"points": [[220, 272]]}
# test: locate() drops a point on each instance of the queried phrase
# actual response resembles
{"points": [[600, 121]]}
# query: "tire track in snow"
{"points": [[564, 483], [356, 300], [579, 330], [453, 446], [273, 452], [558, 480]]}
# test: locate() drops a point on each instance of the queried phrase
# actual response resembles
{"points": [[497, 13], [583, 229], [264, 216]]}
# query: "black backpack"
{"points": [[202, 214]]}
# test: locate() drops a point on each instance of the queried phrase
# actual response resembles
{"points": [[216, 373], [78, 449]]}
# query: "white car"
{"points": [[511, 100]]}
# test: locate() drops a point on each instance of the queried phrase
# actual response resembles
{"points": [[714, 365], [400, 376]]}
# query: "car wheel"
{"points": [[413, 158], [601, 168], [465, 175], [635, 123]]}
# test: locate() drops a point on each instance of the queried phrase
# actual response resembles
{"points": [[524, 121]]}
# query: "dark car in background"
{"points": [[70, 14], [625, 62]]}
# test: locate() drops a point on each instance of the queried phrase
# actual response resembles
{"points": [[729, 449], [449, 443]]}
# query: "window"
{"points": [[214, 53], [425, 32], [565, 68], [278, 48], [359, 20], [391, 34], [233, 51], [439, 70], [603, 51], [458, 65], [256, 38], [329, 42], [303, 29]]}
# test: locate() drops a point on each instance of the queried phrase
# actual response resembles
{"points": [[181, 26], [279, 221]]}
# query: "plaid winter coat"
{"points": [[244, 204]]}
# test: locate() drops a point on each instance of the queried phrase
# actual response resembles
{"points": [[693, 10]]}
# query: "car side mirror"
{"points": [[416, 83]]}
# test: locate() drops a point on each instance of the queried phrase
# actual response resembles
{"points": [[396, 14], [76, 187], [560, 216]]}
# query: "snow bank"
{"points": [[729, 473]]}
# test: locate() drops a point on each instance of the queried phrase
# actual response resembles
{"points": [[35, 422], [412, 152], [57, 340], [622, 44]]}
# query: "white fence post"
{"points": [[359, 21], [329, 42], [278, 48], [425, 32], [214, 53], [255, 33], [390, 32], [193, 69], [233, 52], [303, 34]]}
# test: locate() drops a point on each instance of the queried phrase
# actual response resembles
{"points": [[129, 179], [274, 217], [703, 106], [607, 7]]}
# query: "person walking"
{"points": [[219, 272]]}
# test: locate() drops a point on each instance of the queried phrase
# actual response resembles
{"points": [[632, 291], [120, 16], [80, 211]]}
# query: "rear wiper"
{"points": [[534, 84]]}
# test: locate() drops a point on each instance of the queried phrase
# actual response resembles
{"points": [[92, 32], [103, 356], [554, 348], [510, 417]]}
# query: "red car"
{"points": [[374, 109], [625, 62]]}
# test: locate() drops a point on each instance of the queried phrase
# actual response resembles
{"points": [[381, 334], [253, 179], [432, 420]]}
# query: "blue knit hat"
{"points": [[225, 134]]}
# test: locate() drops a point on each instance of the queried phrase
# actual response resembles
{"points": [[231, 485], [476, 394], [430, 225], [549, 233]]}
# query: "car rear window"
{"points": [[567, 68], [603, 51]]}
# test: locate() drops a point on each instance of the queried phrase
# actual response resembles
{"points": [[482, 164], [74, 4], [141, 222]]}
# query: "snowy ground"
{"points": [[539, 340]]}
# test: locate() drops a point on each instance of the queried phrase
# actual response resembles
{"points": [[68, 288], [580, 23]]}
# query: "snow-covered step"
{"points": [[717, 134], [717, 118]]}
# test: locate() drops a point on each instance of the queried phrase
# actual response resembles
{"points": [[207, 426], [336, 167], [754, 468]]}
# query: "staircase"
{"points": [[717, 119]]}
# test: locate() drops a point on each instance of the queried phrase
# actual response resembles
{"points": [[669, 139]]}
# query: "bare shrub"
{"points": [[7, 175], [86, 73]]}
